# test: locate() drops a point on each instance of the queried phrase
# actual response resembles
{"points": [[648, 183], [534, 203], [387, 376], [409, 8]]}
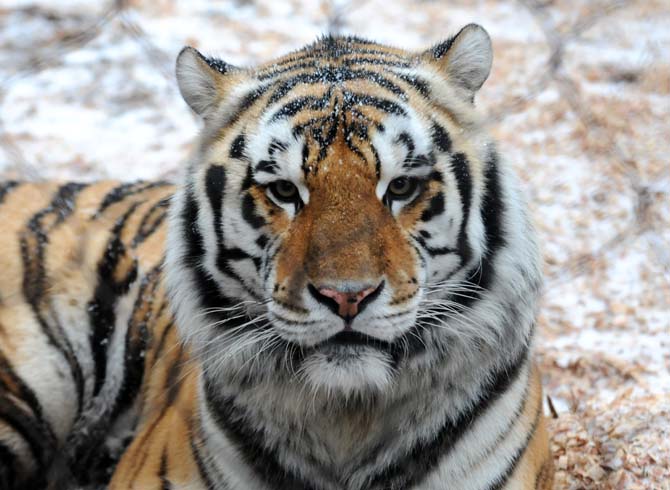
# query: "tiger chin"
{"points": [[340, 294]]}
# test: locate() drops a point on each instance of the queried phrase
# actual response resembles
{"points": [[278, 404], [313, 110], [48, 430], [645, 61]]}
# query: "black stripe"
{"points": [[249, 212], [268, 166], [424, 456], [493, 207], [277, 146], [249, 442], [238, 148], [417, 83], [379, 79], [102, 307], [298, 104], [34, 240], [441, 49], [385, 105], [9, 464], [435, 207], [215, 183], [316, 53], [405, 139], [511, 422], [217, 64], [215, 187], [173, 378], [343, 47], [419, 161], [333, 75], [161, 343], [262, 241], [378, 162], [460, 167], [349, 62], [441, 138], [137, 339], [505, 476], [433, 251], [124, 190], [325, 75], [151, 221], [6, 188], [32, 427], [162, 471], [31, 430], [246, 103], [26, 395], [203, 470], [493, 216], [377, 62], [207, 288]]}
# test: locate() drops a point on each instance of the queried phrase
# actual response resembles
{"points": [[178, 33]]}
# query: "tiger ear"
{"points": [[466, 58], [202, 81]]}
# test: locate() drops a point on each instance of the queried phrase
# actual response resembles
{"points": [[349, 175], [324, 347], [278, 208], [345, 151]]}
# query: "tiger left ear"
{"points": [[466, 58], [203, 82]]}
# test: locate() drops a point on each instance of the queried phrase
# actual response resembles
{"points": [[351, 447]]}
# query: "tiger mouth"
{"points": [[353, 338]]}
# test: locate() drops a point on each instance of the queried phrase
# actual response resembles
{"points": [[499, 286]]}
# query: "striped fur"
{"points": [[197, 343]]}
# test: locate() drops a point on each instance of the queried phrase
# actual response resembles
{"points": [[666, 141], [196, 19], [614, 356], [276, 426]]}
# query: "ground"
{"points": [[579, 99]]}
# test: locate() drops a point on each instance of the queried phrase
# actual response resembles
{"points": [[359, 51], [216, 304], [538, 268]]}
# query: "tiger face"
{"points": [[333, 222]]}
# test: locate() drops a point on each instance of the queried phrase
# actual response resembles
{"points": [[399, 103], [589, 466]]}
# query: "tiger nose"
{"points": [[346, 303]]}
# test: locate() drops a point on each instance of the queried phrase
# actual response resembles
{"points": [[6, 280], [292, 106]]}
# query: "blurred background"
{"points": [[579, 99]]}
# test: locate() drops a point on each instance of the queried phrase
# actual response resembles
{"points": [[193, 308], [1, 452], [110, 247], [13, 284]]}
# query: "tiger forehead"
{"points": [[340, 163], [335, 51]]}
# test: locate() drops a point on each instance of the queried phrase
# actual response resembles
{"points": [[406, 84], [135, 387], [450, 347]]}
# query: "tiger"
{"points": [[339, 294]]}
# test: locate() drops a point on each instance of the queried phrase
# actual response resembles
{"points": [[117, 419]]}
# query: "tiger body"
{"points": [[339, 295]]}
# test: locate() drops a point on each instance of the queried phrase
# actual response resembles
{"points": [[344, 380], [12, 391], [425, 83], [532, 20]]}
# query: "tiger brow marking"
{"points": [[332, 75], [238, 148], [282, 86], [267, 166], [293, 107]]}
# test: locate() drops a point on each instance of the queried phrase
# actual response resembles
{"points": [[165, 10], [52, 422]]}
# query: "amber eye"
{"points": [[401, 188], [284, 191]]}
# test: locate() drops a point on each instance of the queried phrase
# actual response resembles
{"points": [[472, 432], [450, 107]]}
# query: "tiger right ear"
{"points": [[465, 58], [201, 80]]}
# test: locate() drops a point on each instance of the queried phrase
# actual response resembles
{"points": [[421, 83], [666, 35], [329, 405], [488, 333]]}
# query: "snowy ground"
{"points": [[579, 98]]}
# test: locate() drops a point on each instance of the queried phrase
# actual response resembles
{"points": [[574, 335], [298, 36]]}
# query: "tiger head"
{"points": [[344, 218]]}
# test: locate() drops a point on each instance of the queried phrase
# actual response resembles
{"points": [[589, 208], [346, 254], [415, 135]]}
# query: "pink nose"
{"points": [[348, 302]]}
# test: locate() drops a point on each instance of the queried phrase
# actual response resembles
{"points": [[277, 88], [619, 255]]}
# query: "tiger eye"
{"points": [[401, 187], [284, 191]]}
